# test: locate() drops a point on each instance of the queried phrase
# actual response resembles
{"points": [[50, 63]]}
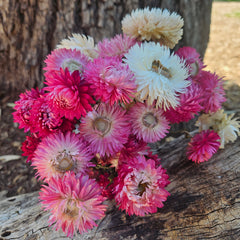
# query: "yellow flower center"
{"points": [[72, 65], [63, 162], [149, 120], [157, 67], [102, 125], [71, 210], [194, 69]]}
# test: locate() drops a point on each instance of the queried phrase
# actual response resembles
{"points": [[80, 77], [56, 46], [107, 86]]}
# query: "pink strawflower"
{"points": [[115, 47], [190, 105], [202, 146], [192, 59], [105, 129], [213, 92], [23, 107], [44, 119], [111, 80], [74, 202], [69, 95], [139, 187], [147, 122], [58, 153], [65, 58], [29, 146]]}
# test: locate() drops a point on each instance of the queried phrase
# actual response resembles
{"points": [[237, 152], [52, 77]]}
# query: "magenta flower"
{"points": [[202, 146], [74, 202], [190, 105], [213, 92], [65, 58], [29, 146], [147, 122], [58, 153], [111, 80], [23, 107], [105, 129], [192, 59], [139, 187], [69, 95], [115, 47]]}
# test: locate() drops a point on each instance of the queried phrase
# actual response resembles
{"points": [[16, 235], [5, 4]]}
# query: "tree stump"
{"points": [[204, 204]]}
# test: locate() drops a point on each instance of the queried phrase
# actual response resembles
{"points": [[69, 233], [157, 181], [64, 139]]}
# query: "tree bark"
{"points": [[30, 29], [204, 204]]}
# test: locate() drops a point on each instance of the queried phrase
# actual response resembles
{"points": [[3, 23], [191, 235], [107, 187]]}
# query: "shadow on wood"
{"points": [[204, 204]]}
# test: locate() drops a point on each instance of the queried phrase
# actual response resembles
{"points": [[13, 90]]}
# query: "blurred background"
{"points": [[30, 30]]}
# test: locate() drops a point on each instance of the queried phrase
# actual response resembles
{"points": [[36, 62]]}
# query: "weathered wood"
{"points": [[204, 204], [30, 29]]}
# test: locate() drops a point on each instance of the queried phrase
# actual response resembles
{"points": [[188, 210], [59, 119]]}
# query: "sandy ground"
{"points": [[223, 51]]}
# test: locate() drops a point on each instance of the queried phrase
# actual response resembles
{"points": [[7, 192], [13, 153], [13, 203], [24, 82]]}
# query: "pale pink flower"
{"points": [[65, 58], [23, 107], [190, 105], [105, 129], [139, 187], [147, 122], [69, 95], [192, 59], [213, 92], [111, 80], [58, 153], [202, 146], [74, 202], [115, 47]]}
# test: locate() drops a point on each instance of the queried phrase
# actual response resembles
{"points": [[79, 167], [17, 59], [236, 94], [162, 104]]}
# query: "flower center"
{"points": [[72, 65], [157, 67], [149, 120], [194, 69], [103, 125], [142, 187], [71, 210], [63, 162]]}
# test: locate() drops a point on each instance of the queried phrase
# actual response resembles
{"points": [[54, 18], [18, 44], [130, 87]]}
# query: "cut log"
{"points": [[204, 204]]}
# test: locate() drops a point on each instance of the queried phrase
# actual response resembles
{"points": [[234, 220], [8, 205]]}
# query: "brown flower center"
{"points": [[102, 125], [142, 187], [194, 69], [149, 120], [63, 162], [72, 65], [157, 67], [71, 210]]}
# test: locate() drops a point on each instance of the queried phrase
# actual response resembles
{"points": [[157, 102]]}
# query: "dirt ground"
{"points": [[222, 56]]}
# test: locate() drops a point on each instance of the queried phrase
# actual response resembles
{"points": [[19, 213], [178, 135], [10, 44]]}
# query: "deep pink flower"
{"points": [[115, 47], [105, 129], [111, 80], [29, 146], [202, 146], [74, 202], [190, 105], [58, 153], [65, 58], [213, 92], [69, 95], [147, 122], [23, 107], [139, 187], [44, 119], [192, 59]]}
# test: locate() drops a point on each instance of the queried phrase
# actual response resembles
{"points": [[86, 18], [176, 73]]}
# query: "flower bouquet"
{"points": [[90, 125]]}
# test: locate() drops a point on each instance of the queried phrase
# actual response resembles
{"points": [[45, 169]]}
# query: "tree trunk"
{"points": [[204, 204], [30, 29]]}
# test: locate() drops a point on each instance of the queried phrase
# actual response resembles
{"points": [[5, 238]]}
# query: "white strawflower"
{"points": [[80, 42], [160, 76], [227, 127], [156, 25]]}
